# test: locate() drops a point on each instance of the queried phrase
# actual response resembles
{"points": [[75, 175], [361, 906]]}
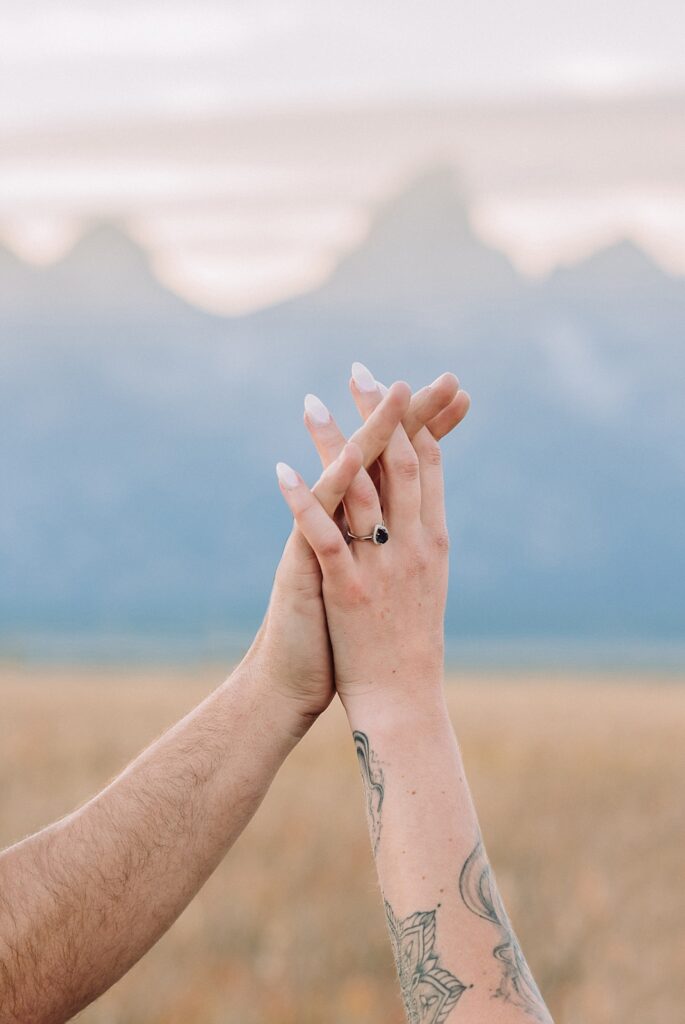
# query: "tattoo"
{"points": [[429, 992], [372, 774], [479, 893]]}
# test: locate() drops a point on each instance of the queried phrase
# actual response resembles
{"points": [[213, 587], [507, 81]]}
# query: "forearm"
{"points": [[81, 901], [451, 936]]}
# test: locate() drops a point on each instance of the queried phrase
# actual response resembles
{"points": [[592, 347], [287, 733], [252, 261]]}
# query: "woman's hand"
{"points": [[385, 604], [292, 646], [385, 607], [293, 643]]}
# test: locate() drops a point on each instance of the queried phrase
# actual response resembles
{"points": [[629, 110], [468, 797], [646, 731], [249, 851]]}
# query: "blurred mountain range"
{"points": [[138, 435]]}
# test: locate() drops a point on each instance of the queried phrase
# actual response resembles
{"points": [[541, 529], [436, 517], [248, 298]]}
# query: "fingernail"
{"points": [[363, 378], [382, 388], [436, 381], [287, 476], [316, 410]]}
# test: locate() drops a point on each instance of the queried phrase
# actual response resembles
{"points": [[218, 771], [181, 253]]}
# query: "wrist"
{"points": [[397, 705], [286, 713]]}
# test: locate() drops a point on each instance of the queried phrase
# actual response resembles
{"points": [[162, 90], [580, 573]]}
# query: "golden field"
{"points": [[580, 786]]}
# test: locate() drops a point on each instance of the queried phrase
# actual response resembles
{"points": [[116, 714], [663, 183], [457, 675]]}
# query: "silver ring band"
{"points": [[379, 535]]}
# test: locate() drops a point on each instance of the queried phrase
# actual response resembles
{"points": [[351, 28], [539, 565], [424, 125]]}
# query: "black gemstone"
{"points": [[380, 535]]}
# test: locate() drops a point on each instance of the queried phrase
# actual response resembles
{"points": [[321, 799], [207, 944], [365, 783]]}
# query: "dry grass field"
{"points": [[580, 785]]}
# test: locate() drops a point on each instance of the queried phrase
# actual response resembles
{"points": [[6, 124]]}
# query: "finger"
{"points": [[399, 461], [427, 405], [315, 524], [327, 436], [373, 436], [432, 482], [429, 402], [361, 501], [383, 414], [299, 567], [441, 421], [450, 417]]}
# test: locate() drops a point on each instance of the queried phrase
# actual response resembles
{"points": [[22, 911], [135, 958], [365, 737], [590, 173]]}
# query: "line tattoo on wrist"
{"points": [[480, 895], [374, 785], [430, 993]]}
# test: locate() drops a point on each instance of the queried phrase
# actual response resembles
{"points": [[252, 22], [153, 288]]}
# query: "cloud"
{"points": [[62, 61], [60, 34], [605, 74], [144, 109]]}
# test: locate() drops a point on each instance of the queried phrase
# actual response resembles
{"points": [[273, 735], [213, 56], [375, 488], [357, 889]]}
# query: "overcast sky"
{"points": [[76, 78]]}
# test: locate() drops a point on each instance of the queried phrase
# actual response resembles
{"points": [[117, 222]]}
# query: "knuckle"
{"points": [[364, 496], [356, 594], [441, 540], [330, 546], [406, 466], [433, 453]]}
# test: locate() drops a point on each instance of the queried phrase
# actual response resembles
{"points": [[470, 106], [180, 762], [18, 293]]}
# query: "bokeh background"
{"points": [[207, 211]]}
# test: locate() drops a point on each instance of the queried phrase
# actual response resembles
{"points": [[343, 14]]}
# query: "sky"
{"points": [[244, 143]]}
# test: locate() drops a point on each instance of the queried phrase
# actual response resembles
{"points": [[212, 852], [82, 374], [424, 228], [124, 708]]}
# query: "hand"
{"points": [[292, 645], [385, 605], [294, 639]]}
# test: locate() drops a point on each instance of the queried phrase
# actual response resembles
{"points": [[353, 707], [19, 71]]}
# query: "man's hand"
{"points": [[81, 901]]}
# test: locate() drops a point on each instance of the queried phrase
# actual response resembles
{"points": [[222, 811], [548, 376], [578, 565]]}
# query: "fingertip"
{"points": [[446, 381], [346, 466], [287, 477], [354, 454], [401, 391], [451, 416], [365, 398], [315, 411], [364, 380], [361, 398]]}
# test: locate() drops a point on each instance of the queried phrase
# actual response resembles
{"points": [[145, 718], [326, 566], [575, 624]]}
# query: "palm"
{"points": [[295, 628]]}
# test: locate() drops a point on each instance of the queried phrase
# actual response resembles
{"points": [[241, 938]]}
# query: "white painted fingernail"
{"points": [[287, 476], [316, 410], [382, 388], [363, 378]]}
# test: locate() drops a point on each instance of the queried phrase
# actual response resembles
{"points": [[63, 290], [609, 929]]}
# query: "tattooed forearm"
{"points": [[429, 992], [372, 774], [479, 893]]}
